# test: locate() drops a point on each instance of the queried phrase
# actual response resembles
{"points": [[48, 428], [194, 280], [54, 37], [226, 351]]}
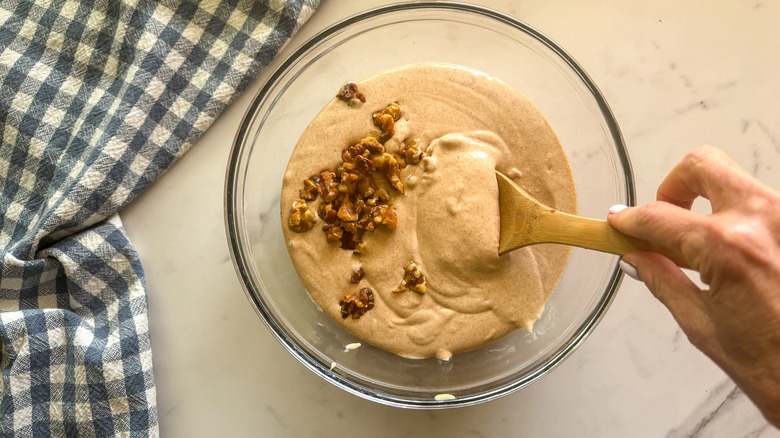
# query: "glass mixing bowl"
{"points": [[358, 47]]}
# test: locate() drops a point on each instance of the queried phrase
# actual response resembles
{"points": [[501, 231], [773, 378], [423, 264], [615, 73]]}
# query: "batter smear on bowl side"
{"points": [[390, 209]]}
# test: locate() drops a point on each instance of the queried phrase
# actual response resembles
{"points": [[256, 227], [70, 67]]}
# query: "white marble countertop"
{"points": [[676, 74]]}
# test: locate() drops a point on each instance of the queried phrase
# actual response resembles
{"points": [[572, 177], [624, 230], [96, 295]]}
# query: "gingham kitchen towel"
{"points": [[97, 99]]}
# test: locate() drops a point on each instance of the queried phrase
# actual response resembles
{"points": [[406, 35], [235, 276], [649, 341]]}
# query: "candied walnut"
{"points": [[351, 152], [387, 124], [360, 205], [356, 305], [368, 145], [365, 222], [348, 187], [347, 241], [301, 219], [351, 173], [333, 233], [366, 187], [349, 92], [385, 120], [380, 196], [357, 275], [385, 215], [388, 163], [348, 212], [413, 279], [372, 145], [391, 221], [391, 165], [394, 178], [327, 186], [350, 226], [393, 111], [401, 160], [309, 191], [328, 213], [381, 160], [410, 150], [364, 165], [352, 200], [352, 240]]}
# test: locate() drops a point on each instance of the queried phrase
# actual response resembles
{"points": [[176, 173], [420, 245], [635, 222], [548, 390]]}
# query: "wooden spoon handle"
{"points": [[560, 227]]}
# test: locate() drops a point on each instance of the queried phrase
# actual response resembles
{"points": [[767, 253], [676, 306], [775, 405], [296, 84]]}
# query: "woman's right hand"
{"points": [[736, 249]]}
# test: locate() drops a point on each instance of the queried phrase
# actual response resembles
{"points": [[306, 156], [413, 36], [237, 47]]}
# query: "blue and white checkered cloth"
{"points": [[97, 99]]}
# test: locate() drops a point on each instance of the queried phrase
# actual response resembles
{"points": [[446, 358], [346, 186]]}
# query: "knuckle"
{"points": [[736, 244], [650, 216], [749, 239], [701, 154], [655, 215]]}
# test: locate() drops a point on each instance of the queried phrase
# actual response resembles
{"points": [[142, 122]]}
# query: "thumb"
{"points": [[685, 301]]}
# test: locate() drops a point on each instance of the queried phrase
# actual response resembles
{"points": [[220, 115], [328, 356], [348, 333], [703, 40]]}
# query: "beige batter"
{"points": [[448, 218]]}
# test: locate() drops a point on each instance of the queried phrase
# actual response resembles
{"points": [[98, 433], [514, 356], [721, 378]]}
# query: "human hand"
{"points": [[736, 250]]}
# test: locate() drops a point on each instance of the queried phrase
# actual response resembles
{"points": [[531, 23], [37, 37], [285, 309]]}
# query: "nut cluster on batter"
{"points": [[353, 204]]}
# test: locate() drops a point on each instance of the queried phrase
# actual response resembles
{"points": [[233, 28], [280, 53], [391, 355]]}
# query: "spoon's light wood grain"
{"points": [[526, 221]]}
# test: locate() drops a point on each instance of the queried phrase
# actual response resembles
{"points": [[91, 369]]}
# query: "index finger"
{"points": [[708, 172], [667, 225]]}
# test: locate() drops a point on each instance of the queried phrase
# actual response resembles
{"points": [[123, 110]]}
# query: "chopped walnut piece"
{"points": [[349, 92], [413, 279], [392, 110], [401, 160], [387, 124], [350, 226], [394, 177], [352, 239], [357, 275], [348, 211], [350, 172], [391, 221], [327, 186], [365, 223], [366, 187], [353, 201], [302, 219], [410, 150], [364, 165], [309, 191], [328, 213], [356, 305], [333, 233], [385, 215], [349, 153], [385, 120], [388, 163], [372, 145]]}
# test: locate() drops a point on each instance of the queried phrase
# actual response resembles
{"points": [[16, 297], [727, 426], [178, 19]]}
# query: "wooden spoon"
{"points": [[526, 221]]}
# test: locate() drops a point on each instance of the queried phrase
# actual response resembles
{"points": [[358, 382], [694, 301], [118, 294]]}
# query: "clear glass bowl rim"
{"points": [[231, 205]]}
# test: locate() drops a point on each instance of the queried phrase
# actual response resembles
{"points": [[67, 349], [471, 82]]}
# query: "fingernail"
{"points": [[617, 208], [630, 270]]}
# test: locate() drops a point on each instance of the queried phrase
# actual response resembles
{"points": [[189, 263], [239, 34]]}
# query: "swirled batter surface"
{"points": [[468, 125]]}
